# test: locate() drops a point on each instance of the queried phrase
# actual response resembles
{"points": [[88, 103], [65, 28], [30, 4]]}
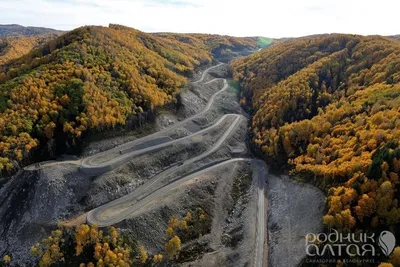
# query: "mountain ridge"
{"points": [[18, 30]]}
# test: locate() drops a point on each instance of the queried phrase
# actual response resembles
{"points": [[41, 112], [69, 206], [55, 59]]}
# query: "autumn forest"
{"points": [[328, 106], [322, 109]]}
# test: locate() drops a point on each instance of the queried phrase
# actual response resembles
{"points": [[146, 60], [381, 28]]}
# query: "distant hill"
{"points": [[94, 78], [16, 40], [13, 47], [18, 30], [397, 37]]}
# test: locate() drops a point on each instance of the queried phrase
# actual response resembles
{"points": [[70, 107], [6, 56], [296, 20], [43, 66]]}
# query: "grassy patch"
{"points": [[264, 42], [234, 85]]}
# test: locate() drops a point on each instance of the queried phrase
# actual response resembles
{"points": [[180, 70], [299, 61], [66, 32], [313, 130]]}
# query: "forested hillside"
{"points": [[93, 78], [329, 106], [17, 46], [216, 44]]}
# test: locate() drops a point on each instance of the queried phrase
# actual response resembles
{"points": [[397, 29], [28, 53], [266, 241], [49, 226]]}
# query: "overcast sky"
{"points": [[279, 18]]}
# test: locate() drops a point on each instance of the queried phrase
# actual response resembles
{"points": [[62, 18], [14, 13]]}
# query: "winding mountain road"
{"points": [[96, 168], [95, 215], [153, 189], [121, 208], [206, 71]]}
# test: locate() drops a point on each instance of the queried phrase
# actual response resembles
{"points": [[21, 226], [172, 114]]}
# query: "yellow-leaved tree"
{"points": [[86, 245]]}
